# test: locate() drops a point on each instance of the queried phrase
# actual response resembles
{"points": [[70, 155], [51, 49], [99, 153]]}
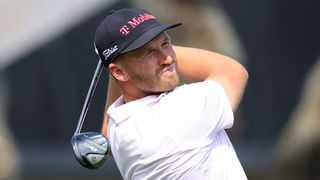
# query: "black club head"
{"points": [[90, 149]]}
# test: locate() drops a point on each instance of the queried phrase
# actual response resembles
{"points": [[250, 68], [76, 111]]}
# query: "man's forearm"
{"points": [[197, 65]]}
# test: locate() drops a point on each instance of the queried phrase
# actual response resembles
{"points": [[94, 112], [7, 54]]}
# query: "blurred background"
{"points": [[47, 61]]}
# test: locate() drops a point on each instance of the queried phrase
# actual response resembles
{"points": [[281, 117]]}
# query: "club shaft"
{"points": [[90, 93]]}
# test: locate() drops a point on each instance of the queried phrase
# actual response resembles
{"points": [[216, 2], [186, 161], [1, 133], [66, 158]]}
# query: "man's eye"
{"points": [[166, 43], [146, 53], [149, 51]]}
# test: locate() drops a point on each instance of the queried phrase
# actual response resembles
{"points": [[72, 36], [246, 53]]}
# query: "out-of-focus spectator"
{"points": [[9, 156], [297, 153]]}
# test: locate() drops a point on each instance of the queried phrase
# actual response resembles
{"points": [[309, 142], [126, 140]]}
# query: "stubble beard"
{"points": [[155, 84]]}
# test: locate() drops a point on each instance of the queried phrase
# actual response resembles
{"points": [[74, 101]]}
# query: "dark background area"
{"points": [[282, 42], [47, 87]]}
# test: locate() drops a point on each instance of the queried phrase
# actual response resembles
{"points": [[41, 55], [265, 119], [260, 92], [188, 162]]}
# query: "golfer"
{"points": [[157, 127]]}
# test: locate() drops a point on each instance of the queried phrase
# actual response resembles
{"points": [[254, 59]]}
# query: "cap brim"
{"points": [[148, 36]]}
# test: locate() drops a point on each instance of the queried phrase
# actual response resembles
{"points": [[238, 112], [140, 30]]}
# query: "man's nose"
{"points": [[165, 57]]}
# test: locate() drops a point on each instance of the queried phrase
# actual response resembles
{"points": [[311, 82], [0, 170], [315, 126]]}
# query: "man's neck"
{"points": [[127, 97]]}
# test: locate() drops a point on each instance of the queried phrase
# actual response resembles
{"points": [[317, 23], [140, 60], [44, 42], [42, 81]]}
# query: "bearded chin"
{"points": [[155, 84], [167, 84]]}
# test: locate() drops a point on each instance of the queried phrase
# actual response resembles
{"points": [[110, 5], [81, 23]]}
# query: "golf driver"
{"points": [[90, 148]]}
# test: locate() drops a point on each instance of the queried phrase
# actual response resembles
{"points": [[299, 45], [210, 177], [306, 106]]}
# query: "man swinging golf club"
{"points": [[158, 129]]}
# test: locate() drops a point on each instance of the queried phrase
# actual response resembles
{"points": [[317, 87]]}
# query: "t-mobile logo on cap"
{"points": [[125, 30], [109, 51]]}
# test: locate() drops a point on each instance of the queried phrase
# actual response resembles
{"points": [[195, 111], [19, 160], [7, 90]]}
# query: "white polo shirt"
{"points": [[175, 135]]}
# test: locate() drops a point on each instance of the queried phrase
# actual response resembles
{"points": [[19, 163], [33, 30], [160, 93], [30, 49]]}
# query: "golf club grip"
{"points": [[90, 93]]}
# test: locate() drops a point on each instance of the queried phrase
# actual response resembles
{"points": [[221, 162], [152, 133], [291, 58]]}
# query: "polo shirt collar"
{"points": [[119, 111]]}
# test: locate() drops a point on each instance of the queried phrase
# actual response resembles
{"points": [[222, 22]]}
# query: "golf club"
{"points": [[90, 148]]}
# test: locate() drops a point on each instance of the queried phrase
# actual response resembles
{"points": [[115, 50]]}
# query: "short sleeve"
{"points": [[202, 109], [216, 109]]}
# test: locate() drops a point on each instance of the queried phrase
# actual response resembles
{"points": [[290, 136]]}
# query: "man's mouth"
{"points": [[169, 69]]}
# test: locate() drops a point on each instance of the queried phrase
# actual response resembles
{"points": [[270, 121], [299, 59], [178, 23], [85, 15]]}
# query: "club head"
{"points": [[90, 149]]}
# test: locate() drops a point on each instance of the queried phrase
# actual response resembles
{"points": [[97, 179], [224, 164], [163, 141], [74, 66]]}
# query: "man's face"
{"points": [[153, 68]]}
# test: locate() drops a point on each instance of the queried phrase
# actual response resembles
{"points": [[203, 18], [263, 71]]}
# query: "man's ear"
{"points": [[118, 72]]}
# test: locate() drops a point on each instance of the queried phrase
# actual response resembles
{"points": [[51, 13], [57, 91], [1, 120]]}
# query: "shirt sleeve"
{"points": [[204, 109], [216, 108]]}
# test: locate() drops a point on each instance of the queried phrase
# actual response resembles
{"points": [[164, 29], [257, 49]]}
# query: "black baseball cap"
{"points": [[125, 30]]}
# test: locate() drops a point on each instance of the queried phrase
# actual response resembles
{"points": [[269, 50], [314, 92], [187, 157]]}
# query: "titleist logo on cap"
{"points": [[125, 30], [109, 51]]}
